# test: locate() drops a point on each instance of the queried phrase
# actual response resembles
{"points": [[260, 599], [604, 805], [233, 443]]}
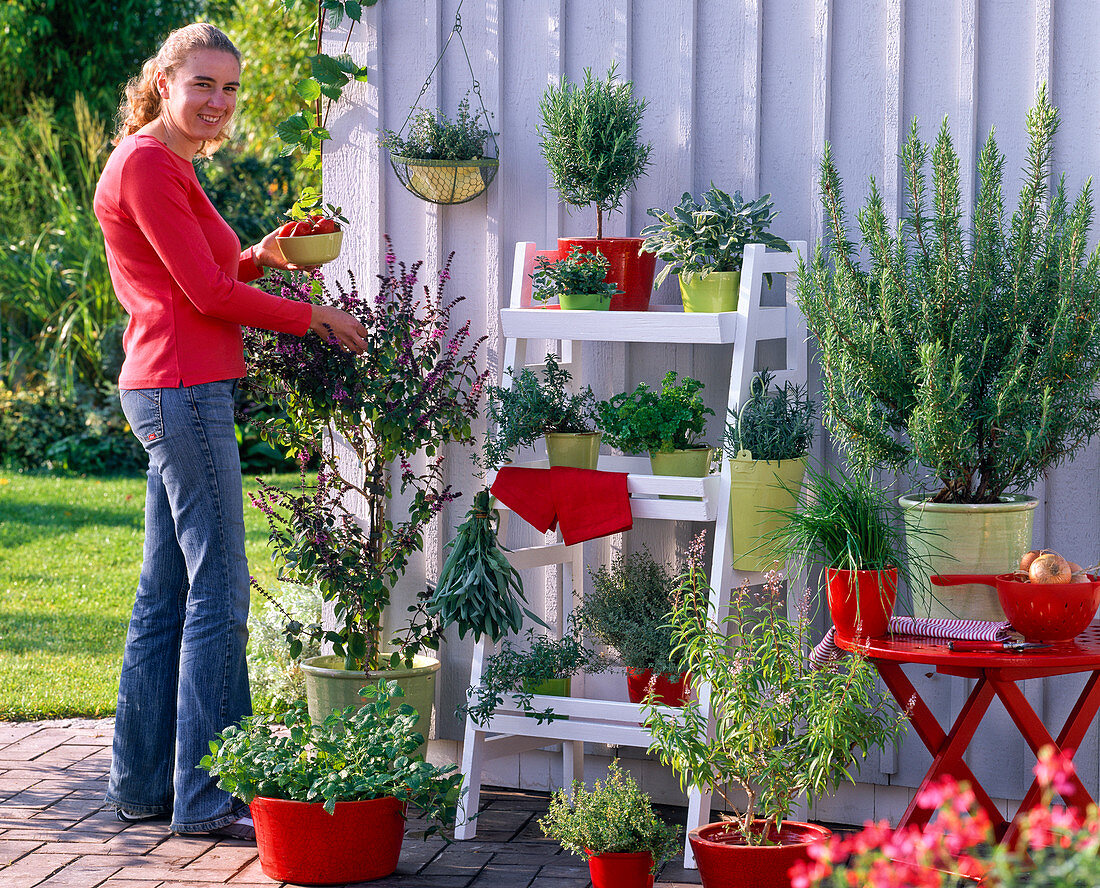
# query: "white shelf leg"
{"points": [[698, 815], [473, 759]]}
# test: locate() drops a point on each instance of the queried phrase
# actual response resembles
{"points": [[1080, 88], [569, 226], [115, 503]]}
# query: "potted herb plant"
{"points": [[328, 797], [543, 666], [668, 424], [704, 244], [850, 526], [590, 139], [532, 408], [627, 608], [576, 281], [969, 352], [767, 440], [612, 824], [349, 417], [441, 160], [780, 729]]}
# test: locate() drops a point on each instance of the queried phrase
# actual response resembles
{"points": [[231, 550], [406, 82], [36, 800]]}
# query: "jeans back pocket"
{"points": [[143, 412]]}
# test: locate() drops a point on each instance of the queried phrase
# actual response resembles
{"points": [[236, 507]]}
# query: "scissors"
{"points": [[993, 646]]}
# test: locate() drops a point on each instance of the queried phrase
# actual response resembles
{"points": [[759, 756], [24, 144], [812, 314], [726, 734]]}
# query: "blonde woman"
{"points": [[179, 271]]}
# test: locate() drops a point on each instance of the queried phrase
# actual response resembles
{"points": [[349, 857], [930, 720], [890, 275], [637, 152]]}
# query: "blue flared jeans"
{"points": [[184, 676]]}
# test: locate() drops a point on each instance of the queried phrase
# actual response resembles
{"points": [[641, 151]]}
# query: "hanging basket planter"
{"points": [[445, 181]]}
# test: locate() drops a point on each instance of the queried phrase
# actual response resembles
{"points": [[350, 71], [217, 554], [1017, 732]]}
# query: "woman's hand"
{"points": [[327, 320], [266, 254]]}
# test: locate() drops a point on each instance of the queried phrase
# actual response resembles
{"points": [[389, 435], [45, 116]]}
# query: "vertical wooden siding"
{"points": [[744, 94]]}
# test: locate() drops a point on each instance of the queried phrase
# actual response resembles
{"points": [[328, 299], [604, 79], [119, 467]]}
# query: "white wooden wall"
{"points": [[744, 94]]}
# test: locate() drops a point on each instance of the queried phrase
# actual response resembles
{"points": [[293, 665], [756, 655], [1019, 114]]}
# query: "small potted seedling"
{"points": [[576, 281]]}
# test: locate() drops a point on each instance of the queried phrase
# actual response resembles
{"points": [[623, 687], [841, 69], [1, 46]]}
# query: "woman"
{"points": [[178, 270]]}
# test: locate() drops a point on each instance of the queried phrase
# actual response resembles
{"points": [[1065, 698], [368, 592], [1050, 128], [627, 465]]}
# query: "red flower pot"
{"points": [[626, 870], [862, 601], [671, 690], [725, 861], [631, 271], [302, 843]]}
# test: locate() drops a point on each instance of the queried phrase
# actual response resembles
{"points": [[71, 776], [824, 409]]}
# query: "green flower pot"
{"points": [[715, 292], [756, 487], [964, 538], [693, 463], [330, 686], [584, 302], [552, 687], [576, 450]]}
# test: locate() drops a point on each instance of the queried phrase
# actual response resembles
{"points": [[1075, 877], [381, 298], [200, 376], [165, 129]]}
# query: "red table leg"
{"points": [[947, 749], [1037, 736]]}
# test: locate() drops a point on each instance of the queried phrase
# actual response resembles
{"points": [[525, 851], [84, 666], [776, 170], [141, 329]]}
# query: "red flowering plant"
{"points": [[1057, 848], [351, 418]]}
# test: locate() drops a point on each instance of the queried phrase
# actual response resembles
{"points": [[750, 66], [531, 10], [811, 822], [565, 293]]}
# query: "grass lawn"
{"points": [[70, 551]]}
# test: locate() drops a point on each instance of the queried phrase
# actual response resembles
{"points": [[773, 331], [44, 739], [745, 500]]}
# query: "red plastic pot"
{"points": [[1038, 611], [631, 271], [862, 601], [302, 843], [621, 870], [725, 861], [671, 690]]}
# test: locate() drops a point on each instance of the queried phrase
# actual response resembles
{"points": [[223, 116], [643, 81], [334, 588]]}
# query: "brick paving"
{"points": [[55, 832]]}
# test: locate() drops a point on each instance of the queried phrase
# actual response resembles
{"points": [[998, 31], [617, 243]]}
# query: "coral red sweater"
{"points": [[177, 269]]}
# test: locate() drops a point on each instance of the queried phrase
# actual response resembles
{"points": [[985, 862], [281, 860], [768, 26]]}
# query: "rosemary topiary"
{"points": [[973, 353], [660, 422], [590, 141], [627, 608], [530, 407], [700, 238], [774, 423], [435, 137], [579, 272]]}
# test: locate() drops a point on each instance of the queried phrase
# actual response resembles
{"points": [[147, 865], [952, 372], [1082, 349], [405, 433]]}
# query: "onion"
{"points": [[1028, 557], [1077, 573], [1049, 568]]}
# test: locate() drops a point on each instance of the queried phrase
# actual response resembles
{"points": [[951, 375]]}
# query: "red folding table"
{"points": [[998, 674]]}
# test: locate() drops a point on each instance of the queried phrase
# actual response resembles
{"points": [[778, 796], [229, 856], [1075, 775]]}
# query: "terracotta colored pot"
{"points": [[671, 690], [625, 870], [302, 843], [724, 860], [862, 601], [631, 271], [1039, 611]]}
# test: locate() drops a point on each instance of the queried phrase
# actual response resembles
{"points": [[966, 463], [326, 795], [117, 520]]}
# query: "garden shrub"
{"points": [[277, 680], [31, 421]]}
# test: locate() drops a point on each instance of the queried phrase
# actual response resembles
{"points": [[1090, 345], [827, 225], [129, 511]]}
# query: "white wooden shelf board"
{"points": [[660, 324]]}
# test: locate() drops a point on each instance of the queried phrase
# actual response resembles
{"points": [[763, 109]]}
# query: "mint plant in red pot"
{"points": [[850, 526], [781, 729], [329, 797], [627, 609], [592, 146], [612, 824]]}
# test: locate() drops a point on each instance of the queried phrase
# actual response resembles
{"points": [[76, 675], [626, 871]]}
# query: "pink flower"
{"points": [[1054, 770]]}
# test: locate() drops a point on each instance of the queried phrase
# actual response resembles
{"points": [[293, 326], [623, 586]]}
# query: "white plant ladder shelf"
{"points": [[616, 723]]}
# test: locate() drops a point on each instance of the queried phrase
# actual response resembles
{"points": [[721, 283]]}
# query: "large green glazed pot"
{"points": [[756, 487], [984, 538], [715, 292], [575, 450], [330, 686]]}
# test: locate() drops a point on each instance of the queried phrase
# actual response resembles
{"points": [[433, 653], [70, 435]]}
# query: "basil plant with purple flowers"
{"points": [[350, 418]]}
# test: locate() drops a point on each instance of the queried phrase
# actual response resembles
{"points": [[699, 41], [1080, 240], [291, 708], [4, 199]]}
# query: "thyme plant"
{"points": [[579, 272], [590, 141], [435, 137], [973, 352], [774, 423]]}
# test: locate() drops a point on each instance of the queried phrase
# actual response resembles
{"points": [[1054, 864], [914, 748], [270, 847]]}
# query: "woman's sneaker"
{"points": [[133, 817]]}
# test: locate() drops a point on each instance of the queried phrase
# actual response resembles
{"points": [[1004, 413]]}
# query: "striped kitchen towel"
{"points": [[920, 627]]}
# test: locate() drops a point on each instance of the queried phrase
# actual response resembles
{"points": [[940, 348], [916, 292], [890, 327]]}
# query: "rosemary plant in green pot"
{"points": [[668, 424], [971, 353], [540, 405], [613, 825], [781, 729], [577, 280], [704, 244], [767, 440], [440, 160], [850, 527], [590, 139], [357, 422], [627, 609], [328, 796]]}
